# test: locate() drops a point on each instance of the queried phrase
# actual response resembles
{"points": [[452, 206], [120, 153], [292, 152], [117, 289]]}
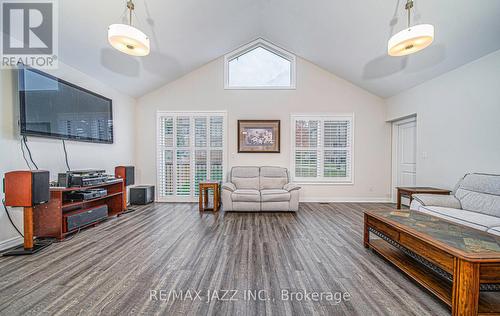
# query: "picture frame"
{"points": [[259, 136]]}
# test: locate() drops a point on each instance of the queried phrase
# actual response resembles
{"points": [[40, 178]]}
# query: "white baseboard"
{"points": [[346, 199], [9, 243]]}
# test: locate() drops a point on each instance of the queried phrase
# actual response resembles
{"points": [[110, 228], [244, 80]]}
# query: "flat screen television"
{"points": [[54, 108]]}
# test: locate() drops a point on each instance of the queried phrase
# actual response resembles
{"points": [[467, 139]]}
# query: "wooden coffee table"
{"points": [[409, 191], [458, 264]]}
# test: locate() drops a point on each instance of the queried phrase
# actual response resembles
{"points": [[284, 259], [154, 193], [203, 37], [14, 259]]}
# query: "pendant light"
{"points": [[412, 39], [128, 39]]}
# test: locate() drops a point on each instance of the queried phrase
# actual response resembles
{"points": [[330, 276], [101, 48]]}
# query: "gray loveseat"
{"points": [[475, 203], [254, 189]]}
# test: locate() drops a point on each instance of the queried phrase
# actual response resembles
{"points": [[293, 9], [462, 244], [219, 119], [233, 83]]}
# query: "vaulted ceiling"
{"points": [[347, 38]]}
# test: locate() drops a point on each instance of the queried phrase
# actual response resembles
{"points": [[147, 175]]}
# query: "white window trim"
{"points": [[159, 115], [319, 181], [270, 47]]}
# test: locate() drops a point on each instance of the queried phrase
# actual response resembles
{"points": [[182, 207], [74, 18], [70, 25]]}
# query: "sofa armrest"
{"points": [[229, 186], [437, 200], [291, 186]]}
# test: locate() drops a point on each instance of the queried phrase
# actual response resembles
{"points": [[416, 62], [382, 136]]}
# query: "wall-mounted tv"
{"points": [[54, 108]]}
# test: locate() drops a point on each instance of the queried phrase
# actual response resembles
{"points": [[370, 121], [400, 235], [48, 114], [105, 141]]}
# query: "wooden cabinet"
{"points": [[50, 218]]}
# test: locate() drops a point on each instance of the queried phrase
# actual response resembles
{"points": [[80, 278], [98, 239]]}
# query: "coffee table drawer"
{"points": [[384, 229]]}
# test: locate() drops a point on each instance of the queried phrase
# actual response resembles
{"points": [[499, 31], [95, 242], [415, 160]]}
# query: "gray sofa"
{"points": [[474, 203], [255, 189]]}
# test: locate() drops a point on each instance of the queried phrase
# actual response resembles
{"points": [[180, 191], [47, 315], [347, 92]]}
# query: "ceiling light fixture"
{"points": [[412, 39], [128, 39]]}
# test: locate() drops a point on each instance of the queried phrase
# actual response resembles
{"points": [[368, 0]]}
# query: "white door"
{"points": [[405, 152]]}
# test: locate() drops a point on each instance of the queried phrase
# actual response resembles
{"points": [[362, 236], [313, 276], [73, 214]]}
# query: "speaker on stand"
{"points": [[127, 173], [27, 189]]}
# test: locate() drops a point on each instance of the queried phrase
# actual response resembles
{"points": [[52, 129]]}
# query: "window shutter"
{"points": [[200, 157], [183, 170], [337, 149], [190, 149], [166, 157], [183, 131], [306, 142], [200, 131], [216, 131], [200, 169], [216, 167], [322, 148]]}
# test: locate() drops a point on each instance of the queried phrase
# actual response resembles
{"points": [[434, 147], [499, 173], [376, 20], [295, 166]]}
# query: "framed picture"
{"points": [[258, 136]]}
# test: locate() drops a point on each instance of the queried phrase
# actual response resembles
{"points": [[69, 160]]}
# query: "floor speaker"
{"points": [[127, 173], [27, 189]]}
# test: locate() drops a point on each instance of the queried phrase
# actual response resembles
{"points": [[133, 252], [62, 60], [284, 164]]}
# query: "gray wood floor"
{"points": [[112, 268]]}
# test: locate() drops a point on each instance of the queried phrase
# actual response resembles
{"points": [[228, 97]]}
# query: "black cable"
{"points": [[24, 155], [10, 219], [29, 152], [66, 155]]}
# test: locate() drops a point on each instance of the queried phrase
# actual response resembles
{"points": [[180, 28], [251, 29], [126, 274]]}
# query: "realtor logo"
{"points": [[29, 33]]}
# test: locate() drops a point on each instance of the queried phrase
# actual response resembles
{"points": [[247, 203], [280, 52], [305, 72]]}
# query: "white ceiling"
{"points": [[348, 38]]}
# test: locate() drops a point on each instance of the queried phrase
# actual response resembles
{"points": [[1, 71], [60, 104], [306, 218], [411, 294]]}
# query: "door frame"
{"points": [[394, 155]]}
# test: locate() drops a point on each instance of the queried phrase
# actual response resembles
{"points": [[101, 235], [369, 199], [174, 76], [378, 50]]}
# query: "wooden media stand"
{"points": [[49, 219]]}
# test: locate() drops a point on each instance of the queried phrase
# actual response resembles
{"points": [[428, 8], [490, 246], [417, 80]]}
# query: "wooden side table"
{"points": [[409, 191], [203, 195]]}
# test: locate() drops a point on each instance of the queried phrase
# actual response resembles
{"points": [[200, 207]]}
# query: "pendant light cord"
{"points": [[131, 7], [408, 7]]}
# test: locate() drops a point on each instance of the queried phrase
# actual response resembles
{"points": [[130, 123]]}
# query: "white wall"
{"points": [[317, 91], [458, 122], [47, 153]]}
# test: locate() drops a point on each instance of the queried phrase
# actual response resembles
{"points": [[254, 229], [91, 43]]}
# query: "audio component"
{"points": [[87, 217], [82, 178], [27, 189], [127, 173], [86, 194], [142, 194]]}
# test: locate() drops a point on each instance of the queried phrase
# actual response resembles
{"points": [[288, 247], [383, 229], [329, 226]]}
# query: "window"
{"points": [[191, 148], [322, 148], [259, 65]]}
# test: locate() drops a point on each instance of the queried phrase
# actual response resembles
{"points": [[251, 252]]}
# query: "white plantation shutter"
{"points": [[306, 144], [216, 148], [216, 165], [322, 148], [166, 156], [191, 148]]}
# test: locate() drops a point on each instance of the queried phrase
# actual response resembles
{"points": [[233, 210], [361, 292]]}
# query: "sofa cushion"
{"points": [[245, 177], [273, 177], [494, 230], [276, 206], [472, 219], [246, 207], [449, 201], [246, 195], [480, 193], [275, 195]]}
